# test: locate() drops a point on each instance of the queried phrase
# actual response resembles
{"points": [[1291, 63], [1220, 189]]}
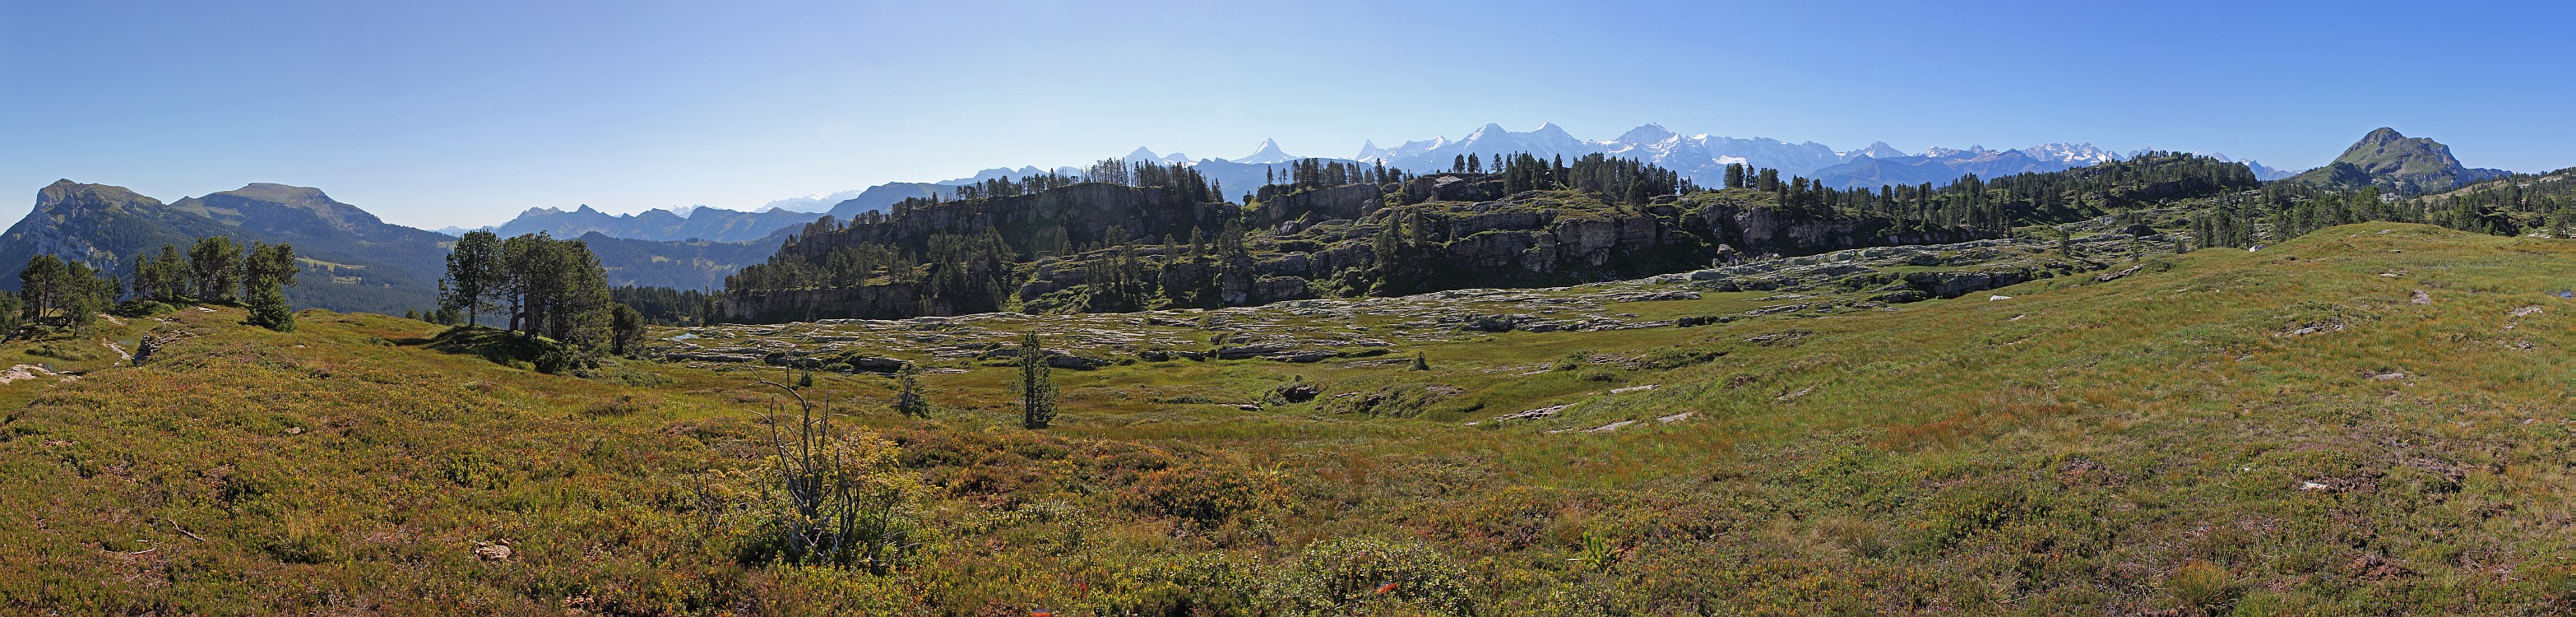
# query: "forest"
{"points": [[1150, 236]]}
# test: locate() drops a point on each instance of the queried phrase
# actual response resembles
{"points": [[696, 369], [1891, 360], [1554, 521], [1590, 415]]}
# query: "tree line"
{"points": [[54, 292], [539, 287]]}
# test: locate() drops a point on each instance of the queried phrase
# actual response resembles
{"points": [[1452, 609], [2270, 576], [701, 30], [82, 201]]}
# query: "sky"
{"points": [[464, 112]]}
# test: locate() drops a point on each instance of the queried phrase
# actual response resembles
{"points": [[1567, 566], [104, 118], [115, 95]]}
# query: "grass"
{"points": [[2159, 444]]}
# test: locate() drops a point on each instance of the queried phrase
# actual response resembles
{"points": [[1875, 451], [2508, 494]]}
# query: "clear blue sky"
{"points": [[461, 112]]}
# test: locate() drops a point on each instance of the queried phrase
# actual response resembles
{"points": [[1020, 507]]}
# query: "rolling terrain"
{"points": [[2368, 419]]}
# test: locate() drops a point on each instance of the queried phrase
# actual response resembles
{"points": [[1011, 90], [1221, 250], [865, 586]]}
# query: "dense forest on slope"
{"points": [[1126, 237]]}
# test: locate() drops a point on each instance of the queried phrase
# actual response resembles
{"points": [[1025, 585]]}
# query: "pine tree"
{"points": [[39, 286], [474, 275], [1036, 385], [10, 317], [625, 331], [908, 399], [266, 273], [215, 263]]}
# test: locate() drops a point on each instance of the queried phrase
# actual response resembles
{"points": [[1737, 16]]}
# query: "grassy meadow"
{"points": [[2371, 419]]}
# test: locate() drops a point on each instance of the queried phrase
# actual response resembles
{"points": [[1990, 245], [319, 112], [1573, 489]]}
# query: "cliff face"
{"points": [[894, 301], [1350, 201], [1070, 216], [1758, 229], [1334, 241]]}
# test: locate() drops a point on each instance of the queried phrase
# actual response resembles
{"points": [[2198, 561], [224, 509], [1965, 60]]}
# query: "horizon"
{"points": [[450, 117]]}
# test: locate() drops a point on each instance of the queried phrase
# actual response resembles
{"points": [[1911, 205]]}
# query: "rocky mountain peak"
{"points": [[1267, 152], [2391, 160]]}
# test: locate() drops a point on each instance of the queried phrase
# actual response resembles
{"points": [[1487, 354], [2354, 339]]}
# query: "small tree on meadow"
{"points": [[908, 399], [1036, 385], [266, 273]]}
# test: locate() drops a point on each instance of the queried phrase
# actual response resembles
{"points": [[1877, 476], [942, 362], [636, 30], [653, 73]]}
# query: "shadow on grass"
{"points": [[521, 351]]}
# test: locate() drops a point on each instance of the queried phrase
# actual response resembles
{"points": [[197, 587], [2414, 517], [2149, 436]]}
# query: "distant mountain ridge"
{"points": [[352, 260], [703, 223], [1704, 157], [1700, 157]]}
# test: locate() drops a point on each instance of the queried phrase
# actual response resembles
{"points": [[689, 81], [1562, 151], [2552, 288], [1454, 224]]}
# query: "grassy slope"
{"points": [[2124, 447]]}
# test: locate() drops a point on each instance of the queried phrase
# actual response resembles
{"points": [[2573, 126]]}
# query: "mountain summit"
{"points": [[1268, 153], [2392, 161]]}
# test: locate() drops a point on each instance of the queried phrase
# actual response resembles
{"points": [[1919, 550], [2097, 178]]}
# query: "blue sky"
{"points": [[463, 113]]}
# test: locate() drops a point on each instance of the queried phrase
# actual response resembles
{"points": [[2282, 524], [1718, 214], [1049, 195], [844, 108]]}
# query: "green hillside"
{"points": [[2392, 161], [356, 262], [2370, 419]]}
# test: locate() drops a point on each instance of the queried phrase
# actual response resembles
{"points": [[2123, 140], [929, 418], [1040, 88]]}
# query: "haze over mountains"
{"points": [[355, 261], [1701, 157]]}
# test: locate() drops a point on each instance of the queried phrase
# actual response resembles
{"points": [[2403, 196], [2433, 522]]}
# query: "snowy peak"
{"points": [[2071, 154], [1648, 133], [1268, 152], [1368, 151], [1876, 150]]}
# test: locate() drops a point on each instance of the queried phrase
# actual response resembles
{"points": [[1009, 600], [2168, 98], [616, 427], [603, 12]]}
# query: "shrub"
{"points": [[1367, 576], [1203, 495], [831, 498], [2202, 588]]}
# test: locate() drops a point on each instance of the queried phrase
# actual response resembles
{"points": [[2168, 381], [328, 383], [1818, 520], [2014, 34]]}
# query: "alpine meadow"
{"points": [[1507, 374]]}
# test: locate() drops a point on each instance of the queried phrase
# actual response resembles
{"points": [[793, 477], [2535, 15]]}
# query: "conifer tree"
{"points": [[625, 331], [1036, 384], [10, 319], [474, 275], [908, 399], [266, 273], [215, 264]]}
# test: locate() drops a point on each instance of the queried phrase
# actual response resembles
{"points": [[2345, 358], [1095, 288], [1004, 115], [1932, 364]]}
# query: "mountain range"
{"points": [[1701, 157], [357, 262], [352, 260], [1704, 157]]}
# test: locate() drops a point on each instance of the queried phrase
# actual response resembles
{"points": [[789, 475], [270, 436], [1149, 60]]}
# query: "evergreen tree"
{"points": [[266, 273], [625, 331], [1036, 384], [10, 318], [215, 265], [474, 275], [40, 287], [57, 292], [908, 399]]}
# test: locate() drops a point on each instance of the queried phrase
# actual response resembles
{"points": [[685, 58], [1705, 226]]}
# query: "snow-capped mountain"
{"points": [[2073, 155], [1267, 153], [1704, 157], [1939, 166]]}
